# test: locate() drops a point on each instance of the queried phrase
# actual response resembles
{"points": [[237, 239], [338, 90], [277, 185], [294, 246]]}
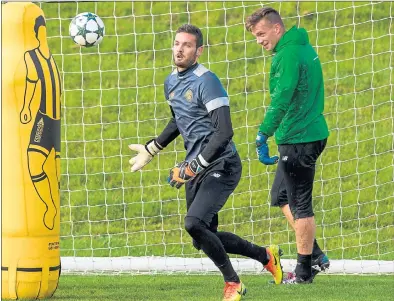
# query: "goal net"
{"points": [[116, 221]]}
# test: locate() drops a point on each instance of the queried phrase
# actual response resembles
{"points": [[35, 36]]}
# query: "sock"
{"points": [[268, 259], [316, 252], [264, 256], [304, 266], [212, 246], [234, 244]]}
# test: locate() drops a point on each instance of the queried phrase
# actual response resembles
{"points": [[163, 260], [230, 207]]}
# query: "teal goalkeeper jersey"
{"points": [[192, 95]]}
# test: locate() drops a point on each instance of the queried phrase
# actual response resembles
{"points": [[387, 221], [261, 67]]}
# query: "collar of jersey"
{"points": [[188, 70]]}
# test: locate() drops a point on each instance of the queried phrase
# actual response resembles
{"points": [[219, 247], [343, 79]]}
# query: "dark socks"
{"points": [[304, 266], [228, 272], [212, 247], [234, 244], [316, 252]]}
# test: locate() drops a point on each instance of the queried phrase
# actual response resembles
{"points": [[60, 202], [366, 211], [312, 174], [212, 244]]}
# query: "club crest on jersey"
{"points": [[189, 95], [172, 94]]}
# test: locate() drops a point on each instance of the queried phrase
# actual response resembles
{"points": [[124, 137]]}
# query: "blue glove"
{"points": [[262, 150]]}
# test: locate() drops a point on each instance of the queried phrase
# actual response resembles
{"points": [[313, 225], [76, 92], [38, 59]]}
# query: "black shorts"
{"points": [[294, 177], [46, 132], [208, 192]]}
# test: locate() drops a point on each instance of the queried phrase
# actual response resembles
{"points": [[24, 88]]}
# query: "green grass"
{"points": [[209, 288], [113, 96]]}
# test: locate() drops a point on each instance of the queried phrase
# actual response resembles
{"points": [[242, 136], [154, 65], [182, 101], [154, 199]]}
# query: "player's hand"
{"points": [[145, 154], [262, 150], [180, 174], [185, 171], [25, 115]]}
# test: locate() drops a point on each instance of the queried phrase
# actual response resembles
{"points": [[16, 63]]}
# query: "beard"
{"points": [[185, 63]]}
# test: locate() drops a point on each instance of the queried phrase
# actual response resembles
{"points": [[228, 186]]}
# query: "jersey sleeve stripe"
{"points": [[202, 161], [217, 103], [200, 70]]}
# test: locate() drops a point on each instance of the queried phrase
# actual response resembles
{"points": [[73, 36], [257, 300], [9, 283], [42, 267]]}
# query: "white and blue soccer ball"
{"points": [[87, 29]]}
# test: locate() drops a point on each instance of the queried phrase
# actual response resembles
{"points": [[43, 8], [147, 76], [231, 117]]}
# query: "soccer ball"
{"points": [[87, 29]]}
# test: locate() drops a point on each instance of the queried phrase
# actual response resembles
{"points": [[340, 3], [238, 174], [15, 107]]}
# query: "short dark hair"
{"points": [[40, 21], [194, 30], [267, 13]]}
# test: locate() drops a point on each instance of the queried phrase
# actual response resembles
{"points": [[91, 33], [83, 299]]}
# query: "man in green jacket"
{"points": [[295, 116]]}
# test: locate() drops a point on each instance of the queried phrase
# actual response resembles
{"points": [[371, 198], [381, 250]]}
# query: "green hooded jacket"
{"points": [[295, 114]]}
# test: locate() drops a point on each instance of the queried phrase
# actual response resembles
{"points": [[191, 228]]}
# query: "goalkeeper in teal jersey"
{"points": [[200, 109], [295, 116]]}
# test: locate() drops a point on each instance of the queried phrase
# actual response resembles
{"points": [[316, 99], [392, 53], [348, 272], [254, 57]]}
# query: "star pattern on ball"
{"points": [[100, 31], [81, 31], [90, 16]]}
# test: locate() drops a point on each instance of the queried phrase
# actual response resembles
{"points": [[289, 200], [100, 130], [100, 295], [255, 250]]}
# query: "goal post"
{"points": [[116, 221]]}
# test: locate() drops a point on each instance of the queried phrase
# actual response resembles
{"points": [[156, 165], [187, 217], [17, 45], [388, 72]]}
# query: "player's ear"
{"points": [[199, 50], [277, 28]]}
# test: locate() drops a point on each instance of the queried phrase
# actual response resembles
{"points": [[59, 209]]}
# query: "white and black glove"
{"points": [[145, 154]]}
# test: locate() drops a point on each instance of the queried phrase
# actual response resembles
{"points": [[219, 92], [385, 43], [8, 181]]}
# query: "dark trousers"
{"points": [[208, 192]]}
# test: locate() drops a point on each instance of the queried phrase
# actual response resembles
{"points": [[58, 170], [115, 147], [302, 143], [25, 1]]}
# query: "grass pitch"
{"points": [[209, 288]]}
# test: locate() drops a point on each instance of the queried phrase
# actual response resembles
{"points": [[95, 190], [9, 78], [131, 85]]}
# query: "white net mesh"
{"points": [[113, 96]]}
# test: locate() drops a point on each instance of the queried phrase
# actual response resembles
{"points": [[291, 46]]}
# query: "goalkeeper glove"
{"points": [[184, 171], [145, 154], [262, 150]]}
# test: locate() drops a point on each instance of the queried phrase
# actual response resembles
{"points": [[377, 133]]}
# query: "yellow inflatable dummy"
{"points": [[31, 91]]}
